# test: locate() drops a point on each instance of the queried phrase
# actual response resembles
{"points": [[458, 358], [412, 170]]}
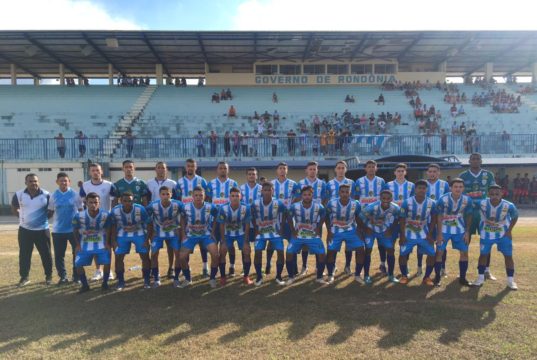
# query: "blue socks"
{"points": [[246, 268], [155, 273], [420, 260], [404, 270], [391, 264], [428, 271], [214, 271], [510, 272], [258, 273], [358, 269], [290, 265], [176, 273], [83, 279], [330, 266], [444, 257], [222, 267], [120, 276], [463, 267], [348, 258], [147, 275], [106, 276], [481, 269], [367, 263], [320, 270], [279, 269], [437, 270], [203, 255], [382, 254], [305, 258], [232, 258], [270, 252]]}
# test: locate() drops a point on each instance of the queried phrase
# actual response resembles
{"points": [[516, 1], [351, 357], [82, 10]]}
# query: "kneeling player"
{"points": [[308, 220], [92, 237], [164, 228], [234, 221], [382, 224], [454, 219], [343, 217], [129, 227], [498, 218], [418, 218]]}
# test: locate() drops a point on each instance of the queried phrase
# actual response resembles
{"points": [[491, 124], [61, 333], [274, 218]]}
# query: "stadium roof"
{"points": [[88, 53]]}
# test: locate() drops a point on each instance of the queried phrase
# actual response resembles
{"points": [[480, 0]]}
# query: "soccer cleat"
{"points": [[347, 270], [330, 280], [489, 276], [98, 275], [231, 272], [304, 271], [479, 282], [83, 289], [170, 273], [464, 282], [223, 281], [511, 284], [403, 280], [147, 286], [419, 272], [48, 280], [259, 282], [185, 284], [427, 281], [156, 284], [111, 276], [23, 282], [443, 273], [321, 281], [120, 286], [382, 269], [205, 273], [176, 284], [212, 283], [359, 280], [247, 281], [393, 279], [75, 280], [368, 280], [290, 281], [267, 270], [279, 282], [63, 281]]}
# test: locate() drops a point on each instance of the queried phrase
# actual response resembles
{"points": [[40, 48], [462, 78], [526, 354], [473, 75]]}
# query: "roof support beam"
{"points": [[19, 66], [360, 47], [410, 46], [155, 54], [202, 47], [498, 55], [255, 46], [454, 51], [52, 55], [307, 48], [102, 54]]}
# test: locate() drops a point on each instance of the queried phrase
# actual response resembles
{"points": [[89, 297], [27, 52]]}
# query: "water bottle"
{"points": [[134, 268]]}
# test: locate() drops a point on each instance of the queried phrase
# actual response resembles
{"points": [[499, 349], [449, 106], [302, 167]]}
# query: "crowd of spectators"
{"points": [[223, 96], [132, 81]]}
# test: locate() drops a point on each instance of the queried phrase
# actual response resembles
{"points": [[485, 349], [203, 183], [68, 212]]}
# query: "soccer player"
{"points": [[184, 192], [165, 213], [153, 186], [343, 223], [129, 224], [92, 239], [332, 188], [197, 227], [234, 221], [218, 193], [476, 184], [319, 196], [267, 214], [250, 191], [107, 192], [130, 183], [308, 217], [401, 188], [417, 220], [382, 225], [498, 218], [367, 189], [287, 191], [454, 211], [64, 204]]}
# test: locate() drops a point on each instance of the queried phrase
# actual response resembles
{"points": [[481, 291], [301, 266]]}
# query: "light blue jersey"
{"points": [[268, 218], [199, 222], [235, 220], [453, 213], [368, 191], [437, 189], [319, 189], [185, 187], [400, 192], [417, 217], [287, 191], [219, 191], [495, 220], [249, 194], [165, 219], [132, 224], [380, 220], [306, 220], [342, 217], [333, 187], [92, 230], [65, 206]]}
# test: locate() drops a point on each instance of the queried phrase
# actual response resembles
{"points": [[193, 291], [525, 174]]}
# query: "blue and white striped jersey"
{"points": [[65, 205], [400, 192], [185, 186], [155, 184], [332, 187], [165, 219], [437, 189], [453, 213], [268, 218], [319, 189], [287, 191], [417, 217], [235, 220], [219, 191], [380, 220], [307, 220], [342, 217], [495, 221], [249, 195], [368, 191], [92, 230], [130, 224], [199, 222]]}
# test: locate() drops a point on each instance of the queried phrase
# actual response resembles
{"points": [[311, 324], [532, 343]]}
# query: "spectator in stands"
{"points": [[266, 116], [223, 95], [274, 98], [275, 117], [382, 126], [60, 145], [232, 112], [462, 129], [303, 128], [315, 144], [533, 190], [229, 95], [244, 144], [200, 144], [236, 143], [82, 140], [324, 142], [213, 139], [454, 128], [427, 142], [461, 111], [291, 144], [380, 100], [316, 125], [443, 141], [215, 98], [273, 143], [227, 144], [331, 141], [129, 141], [505, 141], [256, 115]]}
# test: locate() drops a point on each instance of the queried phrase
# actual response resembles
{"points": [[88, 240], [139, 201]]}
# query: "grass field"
{"points": [[343, 320]]}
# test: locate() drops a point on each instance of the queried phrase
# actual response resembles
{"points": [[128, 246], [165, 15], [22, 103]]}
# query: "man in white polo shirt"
{"points": [[31, 205]]}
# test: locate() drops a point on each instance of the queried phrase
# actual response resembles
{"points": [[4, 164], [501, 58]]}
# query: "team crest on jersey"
{"points": [[400, 197], [221, 194], [197, 222], [137, 187], [371, 193], [433, 196], [189, 192], [281, 196], [418, 217]]}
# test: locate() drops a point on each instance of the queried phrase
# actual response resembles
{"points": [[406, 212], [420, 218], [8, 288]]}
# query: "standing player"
{"points": [[234, 221], [106, 191], [332, 188], [92, 239], [287, 191], [129, 223], [498, 218], [454, 212], [418, 219], [343, 223], [130, 183], [153, 186], [184, 192], [197, 227], [382, 224], [319, 196], [165, 213], [64, 204], [476, 184], [401, 188], [367, 189], [250, 192], [218, 193], [308, 217], [267, 214]]}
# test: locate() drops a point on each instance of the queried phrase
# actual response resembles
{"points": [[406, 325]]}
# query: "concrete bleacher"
{"points": [[44, 111]]}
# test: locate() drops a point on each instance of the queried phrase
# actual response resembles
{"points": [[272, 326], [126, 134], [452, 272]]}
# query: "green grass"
{"points": [[344, 320]]}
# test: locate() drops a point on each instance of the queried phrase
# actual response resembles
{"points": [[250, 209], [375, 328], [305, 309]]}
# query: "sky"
{"points": [[351, 15]]}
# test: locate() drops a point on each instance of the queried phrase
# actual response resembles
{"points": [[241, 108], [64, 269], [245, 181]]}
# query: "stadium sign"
{"points": [[324, 79]]}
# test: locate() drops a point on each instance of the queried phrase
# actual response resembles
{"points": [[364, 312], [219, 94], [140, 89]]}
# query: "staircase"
{"points": [[126, 123]]}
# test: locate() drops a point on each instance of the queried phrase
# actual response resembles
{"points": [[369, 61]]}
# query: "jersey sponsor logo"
{"points": [[415, 226]]}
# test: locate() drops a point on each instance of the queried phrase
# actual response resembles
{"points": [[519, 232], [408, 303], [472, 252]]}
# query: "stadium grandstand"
{"points": [[262, 97]]}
